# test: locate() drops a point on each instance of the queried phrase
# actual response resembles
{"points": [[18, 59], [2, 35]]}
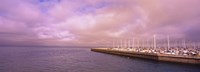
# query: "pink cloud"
{"points": [[93, 21]]}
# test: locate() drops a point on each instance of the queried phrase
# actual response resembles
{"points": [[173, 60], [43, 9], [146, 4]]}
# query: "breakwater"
{"points": [[152, 56]]}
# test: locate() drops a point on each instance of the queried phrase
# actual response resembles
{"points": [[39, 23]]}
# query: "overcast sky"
{"points": [[93, 22]]}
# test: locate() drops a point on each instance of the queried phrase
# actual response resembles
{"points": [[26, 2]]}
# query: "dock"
{"points": [[153, 56]]}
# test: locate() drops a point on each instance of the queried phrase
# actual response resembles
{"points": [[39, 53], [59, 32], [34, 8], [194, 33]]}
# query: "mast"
{"points": [[121, 44], [194, 45], [168, 43], [129, 42], [154, 41], [113, 45], [184, 45], [147, 43], [133, 43], [138, 43], [143, 43], [118, 45], [125, 43]]}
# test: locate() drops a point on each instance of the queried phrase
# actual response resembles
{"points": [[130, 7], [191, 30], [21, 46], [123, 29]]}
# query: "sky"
{"points": [[95, 22]]}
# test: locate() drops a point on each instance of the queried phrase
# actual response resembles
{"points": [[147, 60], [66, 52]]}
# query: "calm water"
{"points": [[34, 59]]}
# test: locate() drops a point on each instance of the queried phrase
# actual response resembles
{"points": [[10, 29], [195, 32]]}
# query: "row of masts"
{"points": [[154, 43]]}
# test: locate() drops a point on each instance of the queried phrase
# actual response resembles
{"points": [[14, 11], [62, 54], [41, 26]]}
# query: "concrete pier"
{"points": [[153, 56]]}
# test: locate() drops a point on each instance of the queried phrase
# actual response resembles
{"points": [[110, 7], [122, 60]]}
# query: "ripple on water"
{"points": [[31, 59]]}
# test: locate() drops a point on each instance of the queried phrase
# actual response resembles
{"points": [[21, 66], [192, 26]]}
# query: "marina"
{"points": [[184, 52]]}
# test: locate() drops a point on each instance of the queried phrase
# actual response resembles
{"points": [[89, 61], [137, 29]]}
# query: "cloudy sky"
{"points": [[94, 22]]}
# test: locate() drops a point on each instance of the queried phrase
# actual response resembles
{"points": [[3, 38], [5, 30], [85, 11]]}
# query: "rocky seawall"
{"points": [[158, 57]]}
